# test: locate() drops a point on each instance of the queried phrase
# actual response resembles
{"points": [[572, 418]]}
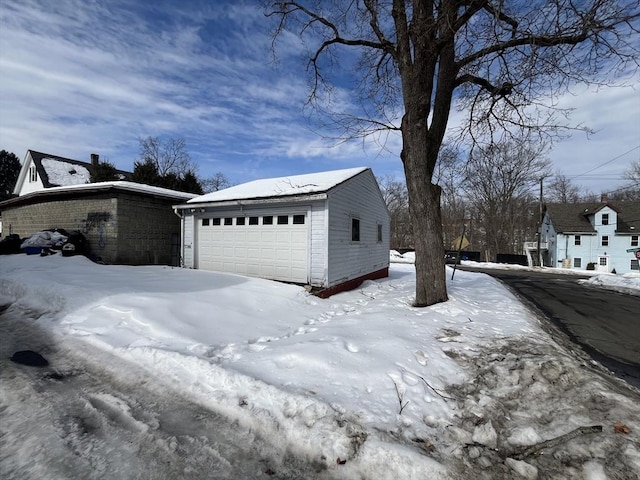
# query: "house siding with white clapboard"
{"points": [[349, 201], [297, 229]]}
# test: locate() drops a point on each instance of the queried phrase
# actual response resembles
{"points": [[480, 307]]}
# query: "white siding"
{"points": [[359, 197], [27, 186], [188, 241], [318, 235]]}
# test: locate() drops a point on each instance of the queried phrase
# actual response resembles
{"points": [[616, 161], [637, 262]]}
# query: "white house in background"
{"points": [[42, 170], [329, 230], [576, 235]]}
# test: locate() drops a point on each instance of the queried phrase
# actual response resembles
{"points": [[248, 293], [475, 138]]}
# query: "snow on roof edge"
{"points": [[121, 184], [289, 185]]}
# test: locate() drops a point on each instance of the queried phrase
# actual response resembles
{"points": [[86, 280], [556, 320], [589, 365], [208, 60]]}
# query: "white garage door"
{"points": [[268, 246]]}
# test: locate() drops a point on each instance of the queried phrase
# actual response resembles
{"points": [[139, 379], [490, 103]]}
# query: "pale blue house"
{"points": [[576, 235]]}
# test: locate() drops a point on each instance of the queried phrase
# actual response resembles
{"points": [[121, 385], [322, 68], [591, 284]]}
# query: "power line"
{"points": [[628, 187], [606, 163]]}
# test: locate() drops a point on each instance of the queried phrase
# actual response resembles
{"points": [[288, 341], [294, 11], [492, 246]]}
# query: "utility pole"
{"points": [[540, 226]]}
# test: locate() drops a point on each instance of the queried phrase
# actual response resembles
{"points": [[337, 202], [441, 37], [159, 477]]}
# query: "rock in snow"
{"points": [[486, 435], [523, 469]]}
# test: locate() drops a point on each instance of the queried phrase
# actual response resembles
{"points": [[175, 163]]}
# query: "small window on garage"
{"points": [[228, 221], [253, 220], [379, 233], [577, 263], [355, 229], [267, 220], [298, 219], [205, 222], [240, 220], [634, 240], [634, 265], [283, 219], [605, 219], [215, 221], [33, 174], [605, 240], [577, 240]]}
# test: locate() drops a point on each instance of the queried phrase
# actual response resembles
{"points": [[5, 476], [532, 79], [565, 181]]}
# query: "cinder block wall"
{"points": [[146, 226], [94, 216]]}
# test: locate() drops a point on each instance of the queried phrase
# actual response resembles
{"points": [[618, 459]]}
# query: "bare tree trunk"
{"points": [[424, 208]]}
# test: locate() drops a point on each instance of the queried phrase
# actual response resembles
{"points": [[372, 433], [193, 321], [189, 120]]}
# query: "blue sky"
{"points": [[81, 76]]}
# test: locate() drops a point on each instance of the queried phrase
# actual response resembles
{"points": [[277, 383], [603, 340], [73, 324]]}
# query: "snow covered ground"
{"points": [[358, 386]]}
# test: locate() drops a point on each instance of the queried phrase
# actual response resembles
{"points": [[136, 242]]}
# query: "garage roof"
{"points": [[282, 186]]}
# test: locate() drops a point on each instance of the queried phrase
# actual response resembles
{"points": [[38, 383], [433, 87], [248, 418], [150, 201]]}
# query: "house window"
{"points": [[253, 220], [215, 221], [355, 229], [605, 219], [577, 263], [603, 261], [298, 219], [205, 222], [267, 220], [228, 221], [577, 240], [283, 219], [33, 174], [605, 240], [634, 265], [240, 221], [634, 240], [379, 233]]}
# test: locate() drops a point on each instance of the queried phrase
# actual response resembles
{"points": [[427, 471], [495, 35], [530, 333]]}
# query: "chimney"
{"points": [[94, 159], [604, 198]]}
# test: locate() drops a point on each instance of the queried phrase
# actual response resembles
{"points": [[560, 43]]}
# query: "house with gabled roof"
{"points": [[43, 170], [329, 230], [602, 233]]}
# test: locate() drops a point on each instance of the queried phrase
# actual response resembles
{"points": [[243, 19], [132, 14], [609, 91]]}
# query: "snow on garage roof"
{"points": [[282, 186]]}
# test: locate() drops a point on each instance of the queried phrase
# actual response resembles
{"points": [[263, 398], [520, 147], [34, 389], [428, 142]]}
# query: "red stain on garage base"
{"points": [[351, 284]]}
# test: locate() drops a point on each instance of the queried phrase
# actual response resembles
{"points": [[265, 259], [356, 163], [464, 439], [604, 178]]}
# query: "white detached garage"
{"points": [[329, 230]]}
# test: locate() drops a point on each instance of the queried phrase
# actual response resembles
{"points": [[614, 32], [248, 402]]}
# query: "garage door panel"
{"points": [[278, 252], [253, 237]]}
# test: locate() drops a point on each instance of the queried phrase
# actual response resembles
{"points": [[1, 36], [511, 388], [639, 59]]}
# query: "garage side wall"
{"points": [[95, 217], [149, 231], [359, 198]]}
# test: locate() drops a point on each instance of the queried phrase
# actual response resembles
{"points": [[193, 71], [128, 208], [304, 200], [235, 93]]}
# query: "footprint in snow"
{"points": [[351, 347], [421, 357]]}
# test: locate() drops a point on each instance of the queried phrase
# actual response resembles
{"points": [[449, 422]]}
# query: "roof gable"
{"points": [[309, 183], [574, 218], [56, 171]]}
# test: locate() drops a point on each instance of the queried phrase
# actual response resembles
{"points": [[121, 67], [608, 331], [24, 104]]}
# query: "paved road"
{"points": [[605, 323]]}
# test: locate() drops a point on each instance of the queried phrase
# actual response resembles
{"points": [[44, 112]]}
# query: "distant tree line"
{"points": [[493, 194]]}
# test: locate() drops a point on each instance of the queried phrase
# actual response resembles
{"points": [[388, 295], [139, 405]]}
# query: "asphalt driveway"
{"points": [[605, 323]]}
